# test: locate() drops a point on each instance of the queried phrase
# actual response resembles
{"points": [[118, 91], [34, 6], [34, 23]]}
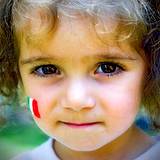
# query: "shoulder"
{"points": [[151, 154], [44, 151]]}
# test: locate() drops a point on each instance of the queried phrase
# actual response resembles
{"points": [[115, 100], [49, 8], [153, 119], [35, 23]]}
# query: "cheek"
{"points": [[123, 96], [120, 104], [47, 98]]}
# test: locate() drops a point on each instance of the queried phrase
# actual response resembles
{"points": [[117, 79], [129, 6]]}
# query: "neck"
{"points": [[130, 145]]}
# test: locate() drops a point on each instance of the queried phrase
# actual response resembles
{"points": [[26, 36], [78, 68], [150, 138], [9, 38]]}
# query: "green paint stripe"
{"points": [[28, 103]]}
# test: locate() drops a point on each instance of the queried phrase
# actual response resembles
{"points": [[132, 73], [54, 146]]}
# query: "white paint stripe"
{"points": [[30, 105]]}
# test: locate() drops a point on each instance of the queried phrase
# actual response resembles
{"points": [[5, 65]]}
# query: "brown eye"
{"points": [[108, 69], [46, 70]]}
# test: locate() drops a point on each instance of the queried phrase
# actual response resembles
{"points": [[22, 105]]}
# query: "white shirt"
{"points": [[152, 154], [42, 152], [46, 152]]}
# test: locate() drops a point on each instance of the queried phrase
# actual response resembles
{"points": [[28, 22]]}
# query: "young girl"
{"points": [[85, 67]]}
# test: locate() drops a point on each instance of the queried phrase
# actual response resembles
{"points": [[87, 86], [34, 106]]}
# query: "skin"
{"points": [[76, 93]]}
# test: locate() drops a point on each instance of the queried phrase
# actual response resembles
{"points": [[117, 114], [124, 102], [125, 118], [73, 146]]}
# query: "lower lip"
{"points": [[82, 125]]}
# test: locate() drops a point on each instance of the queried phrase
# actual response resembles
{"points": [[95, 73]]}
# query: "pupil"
{"points": [[48, 70], [108, 68]]}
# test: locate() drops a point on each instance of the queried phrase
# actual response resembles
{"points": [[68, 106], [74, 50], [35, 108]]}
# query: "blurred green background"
{"points": [[18, 131], [18, 138]]}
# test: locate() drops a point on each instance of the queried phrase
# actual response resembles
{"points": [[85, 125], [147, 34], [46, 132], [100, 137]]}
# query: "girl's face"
{"points": [[88, 90]]}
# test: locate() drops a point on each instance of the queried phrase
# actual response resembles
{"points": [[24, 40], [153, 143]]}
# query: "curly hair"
{"points": [[151, 45], [14, 15]]}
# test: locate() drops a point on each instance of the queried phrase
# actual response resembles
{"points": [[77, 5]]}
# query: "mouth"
{"points": [[80, 125]]}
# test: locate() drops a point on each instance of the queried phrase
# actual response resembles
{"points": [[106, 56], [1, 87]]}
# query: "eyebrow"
{"points": [[37, 59], [112, 56], [56, 59]]}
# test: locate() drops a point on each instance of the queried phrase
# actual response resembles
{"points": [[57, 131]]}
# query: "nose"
{"points": [[77, 96]]}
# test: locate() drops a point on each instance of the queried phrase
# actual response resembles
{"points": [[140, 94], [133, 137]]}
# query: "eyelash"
{"points": [[116, 67], [39, 70]]}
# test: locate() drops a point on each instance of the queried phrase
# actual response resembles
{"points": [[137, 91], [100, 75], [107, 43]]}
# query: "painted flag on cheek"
{"points": [[33, 106]]}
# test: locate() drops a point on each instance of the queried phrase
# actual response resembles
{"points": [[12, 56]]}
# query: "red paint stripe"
{"points": [[35, 108]]}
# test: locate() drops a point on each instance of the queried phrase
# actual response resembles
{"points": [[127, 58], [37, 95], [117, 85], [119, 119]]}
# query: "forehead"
{"points": [[81, 32], [37, 23]]}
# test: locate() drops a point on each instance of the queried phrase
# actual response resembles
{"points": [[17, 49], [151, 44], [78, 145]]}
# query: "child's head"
{"points": [[84, 62]]}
